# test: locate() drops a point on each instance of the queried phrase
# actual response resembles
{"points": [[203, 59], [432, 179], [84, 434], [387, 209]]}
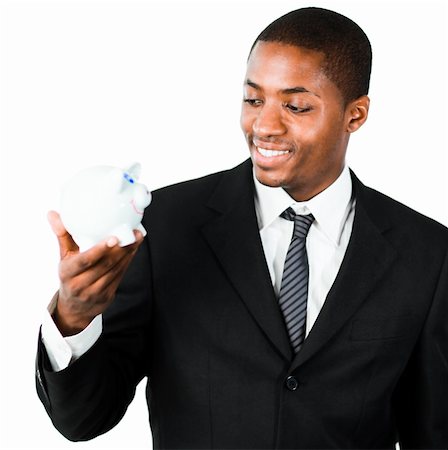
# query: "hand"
{"points": [[88, 280]]}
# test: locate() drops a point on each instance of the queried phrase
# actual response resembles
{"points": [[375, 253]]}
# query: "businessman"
{"points": [[279, 304]]}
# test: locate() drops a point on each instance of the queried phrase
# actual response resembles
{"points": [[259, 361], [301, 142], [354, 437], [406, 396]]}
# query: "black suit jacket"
{"points": [[197, 314]]}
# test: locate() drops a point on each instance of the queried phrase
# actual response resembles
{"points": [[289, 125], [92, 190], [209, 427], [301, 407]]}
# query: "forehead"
{"points": [[281, 66]]}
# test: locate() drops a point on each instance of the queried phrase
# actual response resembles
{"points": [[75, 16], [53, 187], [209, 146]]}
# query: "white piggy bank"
{"points": [[104, 201]]}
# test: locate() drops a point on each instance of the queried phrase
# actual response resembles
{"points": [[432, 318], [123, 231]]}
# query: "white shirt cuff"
{"points": [[63, 351]]}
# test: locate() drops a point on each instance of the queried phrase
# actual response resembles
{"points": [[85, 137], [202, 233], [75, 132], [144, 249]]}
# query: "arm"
{"points": [[91, 395], [422, 393], [63, 351]]}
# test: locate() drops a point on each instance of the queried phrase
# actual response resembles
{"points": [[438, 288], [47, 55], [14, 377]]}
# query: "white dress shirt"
{"points": [[62, 351], [327, 241]]}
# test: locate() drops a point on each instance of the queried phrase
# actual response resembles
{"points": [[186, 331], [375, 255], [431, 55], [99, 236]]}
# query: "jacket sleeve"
{"points": [[422, 393], [90, 396]]}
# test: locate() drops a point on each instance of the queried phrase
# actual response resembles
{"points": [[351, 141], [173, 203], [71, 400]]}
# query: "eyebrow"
{"points": [[291, 90]]}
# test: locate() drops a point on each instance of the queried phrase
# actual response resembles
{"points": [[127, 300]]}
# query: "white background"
{"points": [[111, 82]]}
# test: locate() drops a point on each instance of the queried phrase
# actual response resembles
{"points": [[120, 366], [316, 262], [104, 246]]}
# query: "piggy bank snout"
{"points": [[142, 197]]}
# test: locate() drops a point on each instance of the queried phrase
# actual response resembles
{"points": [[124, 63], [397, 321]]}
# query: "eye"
{"points": [[297, 109], [253, 101], [128, 177]]}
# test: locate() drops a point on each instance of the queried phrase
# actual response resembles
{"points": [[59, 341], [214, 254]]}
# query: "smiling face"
{"points": [[295, 120]]}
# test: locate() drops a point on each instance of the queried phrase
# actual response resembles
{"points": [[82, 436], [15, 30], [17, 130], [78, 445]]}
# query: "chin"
{"points": [[267, 178]]}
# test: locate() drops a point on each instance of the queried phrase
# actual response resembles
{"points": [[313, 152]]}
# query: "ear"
{"points": [[134, 170], [357, 112]]}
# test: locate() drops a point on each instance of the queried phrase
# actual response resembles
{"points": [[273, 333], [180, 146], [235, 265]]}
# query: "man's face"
{"points": [[294, 120]]}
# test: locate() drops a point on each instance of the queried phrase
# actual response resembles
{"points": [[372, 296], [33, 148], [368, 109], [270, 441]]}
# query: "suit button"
{"points": [[291, 383]]}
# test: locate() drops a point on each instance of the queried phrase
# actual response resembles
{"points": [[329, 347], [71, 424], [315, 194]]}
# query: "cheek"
{"points": [[304, 132], [246, 120], [317, 131]]}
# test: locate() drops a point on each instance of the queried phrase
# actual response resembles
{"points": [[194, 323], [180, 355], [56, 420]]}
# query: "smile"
{"points": [[271, 153], [140, 213]]}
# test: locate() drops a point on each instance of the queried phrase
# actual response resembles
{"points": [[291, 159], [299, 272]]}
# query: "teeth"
{"points": [[270, 153]]}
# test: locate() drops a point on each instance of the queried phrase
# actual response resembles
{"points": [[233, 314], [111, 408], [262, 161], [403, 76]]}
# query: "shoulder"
{"points": [[404, 219], [192, 196], [198, 187]]}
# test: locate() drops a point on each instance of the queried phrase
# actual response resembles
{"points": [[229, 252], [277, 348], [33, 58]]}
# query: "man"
{"points": [[335, 337]]}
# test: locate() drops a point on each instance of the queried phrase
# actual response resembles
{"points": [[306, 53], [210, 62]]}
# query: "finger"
{"points": [[66, 242], [95, 262], [110, 283], [101, 291], [138, 236], [87, 276], [108, 251], [115, 267]]}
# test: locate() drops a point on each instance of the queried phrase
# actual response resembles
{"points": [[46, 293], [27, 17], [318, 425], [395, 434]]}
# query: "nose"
{"points": [[268, 121]]}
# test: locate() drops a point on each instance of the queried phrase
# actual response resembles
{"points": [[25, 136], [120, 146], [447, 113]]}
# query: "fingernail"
{"points": [[112, 242]]}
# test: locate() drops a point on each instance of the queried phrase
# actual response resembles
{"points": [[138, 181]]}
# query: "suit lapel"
{"points": [[234, 238], [367, 259]]}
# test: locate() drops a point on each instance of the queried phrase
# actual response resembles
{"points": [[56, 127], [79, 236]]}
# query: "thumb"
{"points": [[66, 242]]}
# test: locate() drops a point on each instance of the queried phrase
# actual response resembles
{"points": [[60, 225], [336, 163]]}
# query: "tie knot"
{"points": [[302, 224]]}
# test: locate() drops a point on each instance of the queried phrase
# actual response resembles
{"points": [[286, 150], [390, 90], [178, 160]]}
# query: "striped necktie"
{"points": [[293, 294]]}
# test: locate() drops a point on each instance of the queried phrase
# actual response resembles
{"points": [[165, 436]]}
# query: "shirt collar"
{"points": [[330, 208]]}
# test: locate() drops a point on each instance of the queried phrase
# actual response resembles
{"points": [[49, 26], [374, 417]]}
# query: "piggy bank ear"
{"points": [[116, 180], [134, 170]]}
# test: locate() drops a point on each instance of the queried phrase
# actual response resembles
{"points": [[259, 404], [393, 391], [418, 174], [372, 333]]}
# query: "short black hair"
{"points": [[347, 50]]}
